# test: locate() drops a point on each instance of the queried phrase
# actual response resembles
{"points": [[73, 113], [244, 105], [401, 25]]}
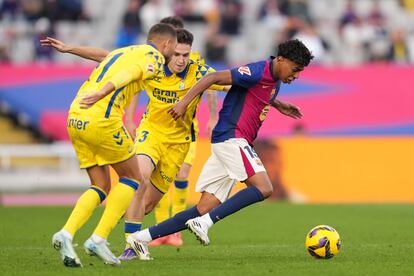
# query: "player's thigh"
{"points": [[146, 166], [100, 176], [169, 165], [214, 179], [262, 182], [152, 197], [148, 149]]}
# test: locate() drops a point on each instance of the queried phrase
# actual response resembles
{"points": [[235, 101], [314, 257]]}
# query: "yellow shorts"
{"points": [[99, 141], [167, 158], [191, 154]]}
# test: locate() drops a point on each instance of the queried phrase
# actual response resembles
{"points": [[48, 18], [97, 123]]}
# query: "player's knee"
{"points": [[145, 180], [181, 176], [184, 172], [203, 209], [266, 190]]}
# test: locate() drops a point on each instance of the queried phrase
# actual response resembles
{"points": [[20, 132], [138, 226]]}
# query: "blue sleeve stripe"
{"points": [[129, 182], [111, 102], [106, 67]]}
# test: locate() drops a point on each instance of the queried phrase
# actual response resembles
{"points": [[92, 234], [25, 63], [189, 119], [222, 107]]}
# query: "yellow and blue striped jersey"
{"points": [[167, 90], [129, 69]]}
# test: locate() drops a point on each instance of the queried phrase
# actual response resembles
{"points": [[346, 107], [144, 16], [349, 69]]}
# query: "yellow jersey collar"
{"points": [[182, 74], [152, 44]]}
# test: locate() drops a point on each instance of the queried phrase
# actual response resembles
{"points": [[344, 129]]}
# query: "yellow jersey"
{"points": [[196, 57], [166, 90], [129, 69]]}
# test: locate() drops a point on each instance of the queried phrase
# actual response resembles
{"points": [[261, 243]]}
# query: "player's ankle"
{"points": [[97, 239], [207, 220]]}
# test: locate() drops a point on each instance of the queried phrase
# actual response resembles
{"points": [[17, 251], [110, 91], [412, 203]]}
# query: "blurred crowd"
{"points": [[344, 32]]}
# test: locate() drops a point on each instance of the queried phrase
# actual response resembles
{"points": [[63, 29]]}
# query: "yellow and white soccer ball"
{"points": [[323, 241]]}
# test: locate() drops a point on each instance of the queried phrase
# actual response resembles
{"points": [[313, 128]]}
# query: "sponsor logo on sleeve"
{"points": [[244, 70]]}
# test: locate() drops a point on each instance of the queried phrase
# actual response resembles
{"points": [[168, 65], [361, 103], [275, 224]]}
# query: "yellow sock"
{"points": [[179, 202], [162, 210], [84, 208], [116, 204]]}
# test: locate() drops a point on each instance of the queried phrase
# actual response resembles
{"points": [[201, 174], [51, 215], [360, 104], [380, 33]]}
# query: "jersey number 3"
{"points": [[144, 135]]}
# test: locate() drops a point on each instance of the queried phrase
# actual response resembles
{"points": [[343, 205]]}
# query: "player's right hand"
{"points": [[89, 100], [178, 110], [54, 43]]}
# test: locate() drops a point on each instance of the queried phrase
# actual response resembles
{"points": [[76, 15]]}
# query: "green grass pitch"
{"points": [[266, 239]]}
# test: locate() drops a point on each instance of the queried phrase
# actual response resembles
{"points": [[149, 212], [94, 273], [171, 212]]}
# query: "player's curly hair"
{"points": [[184, 37], [295, 51]]}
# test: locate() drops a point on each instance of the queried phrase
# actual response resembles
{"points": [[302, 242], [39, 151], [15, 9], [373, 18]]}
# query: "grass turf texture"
{"points": [[266, 239]]}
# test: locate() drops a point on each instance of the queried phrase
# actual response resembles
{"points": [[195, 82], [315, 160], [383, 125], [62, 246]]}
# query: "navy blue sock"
{"points": [[240, 200], [174, 224]]}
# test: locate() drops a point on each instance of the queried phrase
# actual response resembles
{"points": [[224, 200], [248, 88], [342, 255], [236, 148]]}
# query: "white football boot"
{"points": [[102, 251], [64, 245], [200, 229], [140, 247]]}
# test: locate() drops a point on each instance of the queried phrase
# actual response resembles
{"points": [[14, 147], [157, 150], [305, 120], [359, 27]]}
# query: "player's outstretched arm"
{"points": [[118, 81], [219, 77], [89, 100], [96, 54], [287, 109]]}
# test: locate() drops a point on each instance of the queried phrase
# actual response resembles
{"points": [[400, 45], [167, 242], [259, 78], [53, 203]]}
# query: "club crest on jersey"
{"points": [[150, 68], [244, 70]]}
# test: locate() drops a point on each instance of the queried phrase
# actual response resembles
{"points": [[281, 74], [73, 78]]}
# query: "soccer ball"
{"points": [[323, 242]]}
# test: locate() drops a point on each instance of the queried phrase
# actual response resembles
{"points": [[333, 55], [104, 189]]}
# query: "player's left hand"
{"points": [[89, 100], [290, 110], [178, 110], [54, 43]]}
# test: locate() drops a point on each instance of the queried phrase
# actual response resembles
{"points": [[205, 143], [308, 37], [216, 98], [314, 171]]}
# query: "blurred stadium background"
{"points": [[354, 144]]}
